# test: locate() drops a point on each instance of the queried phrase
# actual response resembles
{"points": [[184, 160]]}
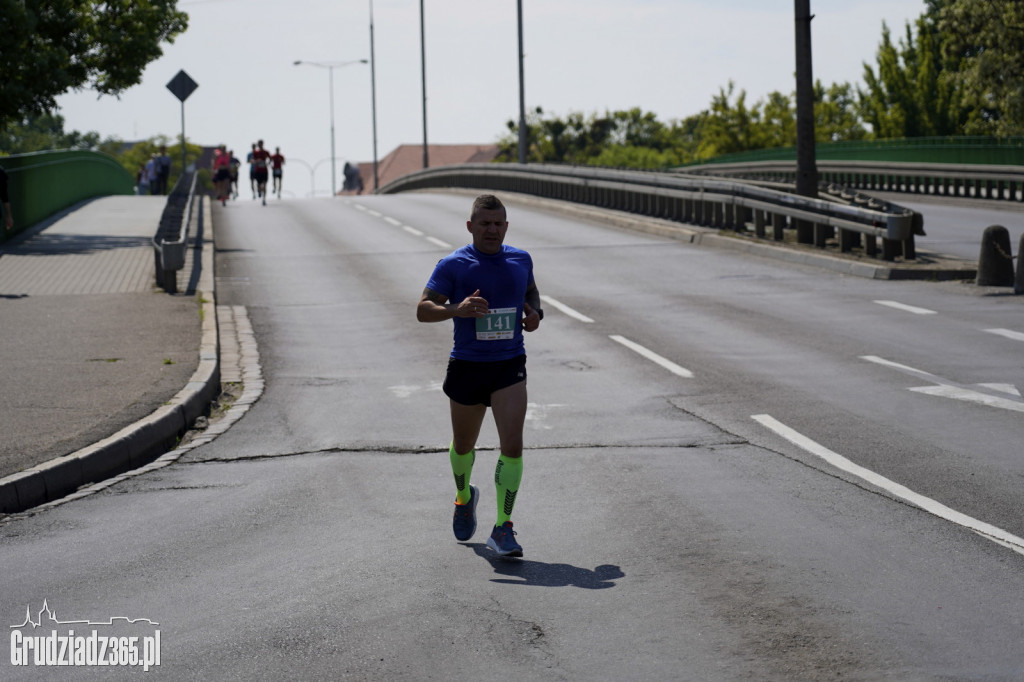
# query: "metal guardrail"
{"points": [[715, 202], [941, 179], [171, 240]]}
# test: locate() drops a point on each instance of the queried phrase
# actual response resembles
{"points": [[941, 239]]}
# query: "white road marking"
{"points": [[360, 207], [948, 389], [1008, 333], [442, 244], [931, 506], [407, 390], [906, 308], [967, 395], [393, 221], [565, 309], [653, 357], [375, 214], [537, 414], [412, 230], [1003, 388], [903, 368]]}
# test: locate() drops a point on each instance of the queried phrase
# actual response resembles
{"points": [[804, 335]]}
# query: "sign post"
{"points": [[181, 86]]}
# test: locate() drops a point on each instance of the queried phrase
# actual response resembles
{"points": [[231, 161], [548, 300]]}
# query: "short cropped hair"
{"points": [[486, 202]]}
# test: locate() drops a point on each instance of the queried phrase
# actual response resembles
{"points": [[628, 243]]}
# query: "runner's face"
{"points": [[488, 228]]}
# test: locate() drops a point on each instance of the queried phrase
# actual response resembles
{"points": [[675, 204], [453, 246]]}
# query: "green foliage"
{"points": [[41, 132], [911, 94], [984, 44], [50, 47]]}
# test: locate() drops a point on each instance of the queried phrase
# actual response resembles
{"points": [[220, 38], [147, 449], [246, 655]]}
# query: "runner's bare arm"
{"points": [[434, 307], [531, 308]]}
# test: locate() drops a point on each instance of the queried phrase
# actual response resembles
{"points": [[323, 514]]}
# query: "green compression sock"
{"points": [[462, 468], [507, 475]]}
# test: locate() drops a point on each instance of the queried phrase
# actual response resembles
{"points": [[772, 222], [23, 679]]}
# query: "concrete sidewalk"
{"points": [[100, 370]]}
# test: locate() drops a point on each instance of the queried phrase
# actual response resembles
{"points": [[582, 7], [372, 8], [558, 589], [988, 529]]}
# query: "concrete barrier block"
{"points": [[1018, 286], [995, 262]]}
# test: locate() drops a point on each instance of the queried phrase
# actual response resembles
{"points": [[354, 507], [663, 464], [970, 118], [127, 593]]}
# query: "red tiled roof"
{"points": [[407, 158]]}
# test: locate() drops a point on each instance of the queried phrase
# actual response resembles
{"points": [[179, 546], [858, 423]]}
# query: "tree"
{"points": [[43, 131], [835, 113], [915, 92], [50, 47], [985, 40]]}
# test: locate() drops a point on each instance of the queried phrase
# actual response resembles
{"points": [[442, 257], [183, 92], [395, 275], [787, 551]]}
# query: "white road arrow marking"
{"points": [[948, 389]]}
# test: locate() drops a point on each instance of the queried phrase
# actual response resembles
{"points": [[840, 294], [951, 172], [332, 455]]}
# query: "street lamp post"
{"points": [[330, 66], [373, 101]]}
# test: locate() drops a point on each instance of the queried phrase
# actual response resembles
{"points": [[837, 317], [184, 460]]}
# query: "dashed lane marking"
{"points": [[906, 308], [653, 357], [565, 309]]}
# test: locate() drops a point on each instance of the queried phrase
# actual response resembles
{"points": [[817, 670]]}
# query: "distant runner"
{"points": [[261, 163], [277, 163], [222, 174], [252, 170]]}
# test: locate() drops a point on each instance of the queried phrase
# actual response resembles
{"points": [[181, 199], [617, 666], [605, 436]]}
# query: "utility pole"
{"points": [[806, 165], [423, 63], [522, 92]]}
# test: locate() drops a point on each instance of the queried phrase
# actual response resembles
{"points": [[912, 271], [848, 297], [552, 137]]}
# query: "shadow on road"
{"points": [[540, 574]]}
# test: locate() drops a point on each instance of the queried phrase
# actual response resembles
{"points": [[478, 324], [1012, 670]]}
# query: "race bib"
{"points": [[497, 324]]}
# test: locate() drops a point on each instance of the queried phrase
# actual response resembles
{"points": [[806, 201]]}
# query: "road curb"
{"points": [[144, 441]]}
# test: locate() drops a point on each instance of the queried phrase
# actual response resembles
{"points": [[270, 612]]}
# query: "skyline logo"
{"points": [[63, 647]]}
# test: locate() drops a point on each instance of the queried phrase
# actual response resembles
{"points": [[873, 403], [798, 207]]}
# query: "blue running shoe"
{"points": [[503, 541], [464, 521]]}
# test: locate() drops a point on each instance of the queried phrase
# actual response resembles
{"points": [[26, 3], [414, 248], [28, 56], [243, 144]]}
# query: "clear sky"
{"points": [[669, 57]]}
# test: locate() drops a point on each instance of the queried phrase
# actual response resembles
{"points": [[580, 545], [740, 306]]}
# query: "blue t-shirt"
{"points": [[502, 279]]}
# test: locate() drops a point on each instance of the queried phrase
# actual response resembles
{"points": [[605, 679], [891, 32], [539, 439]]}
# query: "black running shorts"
{"points": [[472, 383]]}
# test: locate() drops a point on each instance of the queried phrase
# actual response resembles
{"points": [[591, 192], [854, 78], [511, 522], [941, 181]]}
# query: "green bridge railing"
{"points": [[990, 151], [43, 183]]}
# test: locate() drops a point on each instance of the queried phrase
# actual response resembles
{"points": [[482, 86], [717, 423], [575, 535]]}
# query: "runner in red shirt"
{"points": [[277, 161], [260, 162], [222, 173]]}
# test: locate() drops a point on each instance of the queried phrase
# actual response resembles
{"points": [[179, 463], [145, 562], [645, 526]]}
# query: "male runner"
{"points": [[252, 170], [277, 167], [260, 163], [488, 289]]}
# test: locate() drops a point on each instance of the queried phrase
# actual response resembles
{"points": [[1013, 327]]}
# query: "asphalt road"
{"points": [[735, 469]]}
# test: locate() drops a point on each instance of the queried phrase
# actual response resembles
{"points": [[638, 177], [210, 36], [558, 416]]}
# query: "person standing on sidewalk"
{"points": [[163, 170], [487, 288], [5, 199]]}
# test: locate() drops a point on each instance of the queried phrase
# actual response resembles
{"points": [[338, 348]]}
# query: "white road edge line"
{"points": [[412, 230], [929, 505], [653, 357], [906, 308], [393, 221], [442, 244], [1008, 333], [565, 309]]}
